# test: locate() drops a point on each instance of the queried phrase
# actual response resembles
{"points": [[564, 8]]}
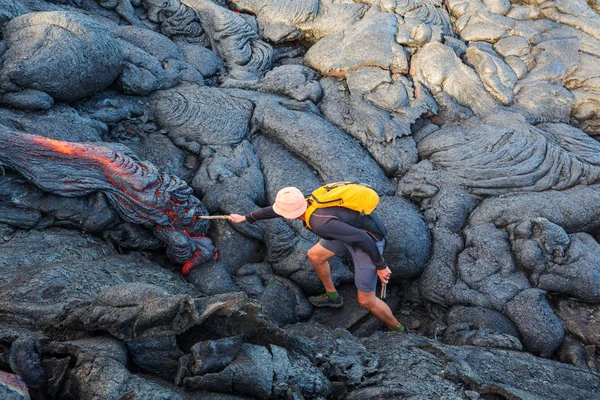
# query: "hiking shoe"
{"points": [[401, 329], [324, 301]]}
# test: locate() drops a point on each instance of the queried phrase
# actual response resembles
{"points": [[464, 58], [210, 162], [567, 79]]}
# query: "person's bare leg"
{"points": [[318, 256], [378, 308]]}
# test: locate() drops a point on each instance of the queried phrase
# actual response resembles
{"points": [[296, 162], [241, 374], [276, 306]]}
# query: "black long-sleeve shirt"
{"points": [[339, 223]]}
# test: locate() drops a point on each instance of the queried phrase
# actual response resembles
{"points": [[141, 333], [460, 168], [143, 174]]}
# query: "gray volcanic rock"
{"points": [[49, 293], [31, 248], [155, 44], [229, 366], [376, 108], [407, 243], [557, 157], [539, 325], [454, 86], [203, 115], [159, 150], [532, 314], [283, 301], [279, 166], [463, 334], [235, 248], [497, 77], [111, 107], [551, 49], [573, 352], [203, 59], [144, 72], [295, 81], [445, 370], [580, 320], [25, 359], [214, 278], [558, 262], [100, 371], [57, 72], [176, 20], [485, 273], [61, 122], [341, 356], [59, 267], [143, 311], [482, 318], [310, 20], [319, 143], [223, 170], [156, 355], [369, 42], [26, 206], [148, 317], [11, 10], [234, 39]]}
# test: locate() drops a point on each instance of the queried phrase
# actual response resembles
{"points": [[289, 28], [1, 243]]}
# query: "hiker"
{"points": [[341, 230]]}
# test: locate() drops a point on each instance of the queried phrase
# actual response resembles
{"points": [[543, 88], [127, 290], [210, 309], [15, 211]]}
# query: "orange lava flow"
{"points": [[58, 145], [70, 149], [85, 152]]}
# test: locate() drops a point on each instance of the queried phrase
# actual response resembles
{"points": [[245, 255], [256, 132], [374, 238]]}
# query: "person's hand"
{"points": [[236, 218], [384, 275]]}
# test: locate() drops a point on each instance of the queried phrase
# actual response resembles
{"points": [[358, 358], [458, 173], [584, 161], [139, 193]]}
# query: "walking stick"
{"points": [[212, 216]]}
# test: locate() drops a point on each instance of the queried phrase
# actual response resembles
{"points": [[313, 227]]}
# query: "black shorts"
{"points": [[365, 272]]}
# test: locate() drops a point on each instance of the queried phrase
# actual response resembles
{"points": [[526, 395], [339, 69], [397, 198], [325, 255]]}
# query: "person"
{"points": [[341, 231]]}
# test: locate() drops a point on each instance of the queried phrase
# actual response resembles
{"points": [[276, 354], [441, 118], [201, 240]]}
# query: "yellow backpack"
{"points": [[355, 196]]}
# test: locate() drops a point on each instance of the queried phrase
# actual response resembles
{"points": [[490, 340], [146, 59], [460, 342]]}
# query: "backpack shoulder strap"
{"points": [[309, 211]]}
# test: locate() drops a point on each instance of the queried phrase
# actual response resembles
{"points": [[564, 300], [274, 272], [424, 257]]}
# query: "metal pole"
{"points": [[212, 216]]}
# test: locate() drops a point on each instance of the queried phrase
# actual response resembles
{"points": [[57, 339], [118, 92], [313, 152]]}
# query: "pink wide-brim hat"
{"points": [[290, 203]]}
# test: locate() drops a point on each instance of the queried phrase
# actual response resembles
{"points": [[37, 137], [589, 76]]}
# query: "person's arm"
{"points": [[333, 228], [263, 213]]}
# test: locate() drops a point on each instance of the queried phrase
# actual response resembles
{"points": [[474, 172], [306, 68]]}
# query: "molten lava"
{"points": [[135, 189]]}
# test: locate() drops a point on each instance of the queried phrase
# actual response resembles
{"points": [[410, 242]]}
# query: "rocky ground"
{"points": [[122, 121]]}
